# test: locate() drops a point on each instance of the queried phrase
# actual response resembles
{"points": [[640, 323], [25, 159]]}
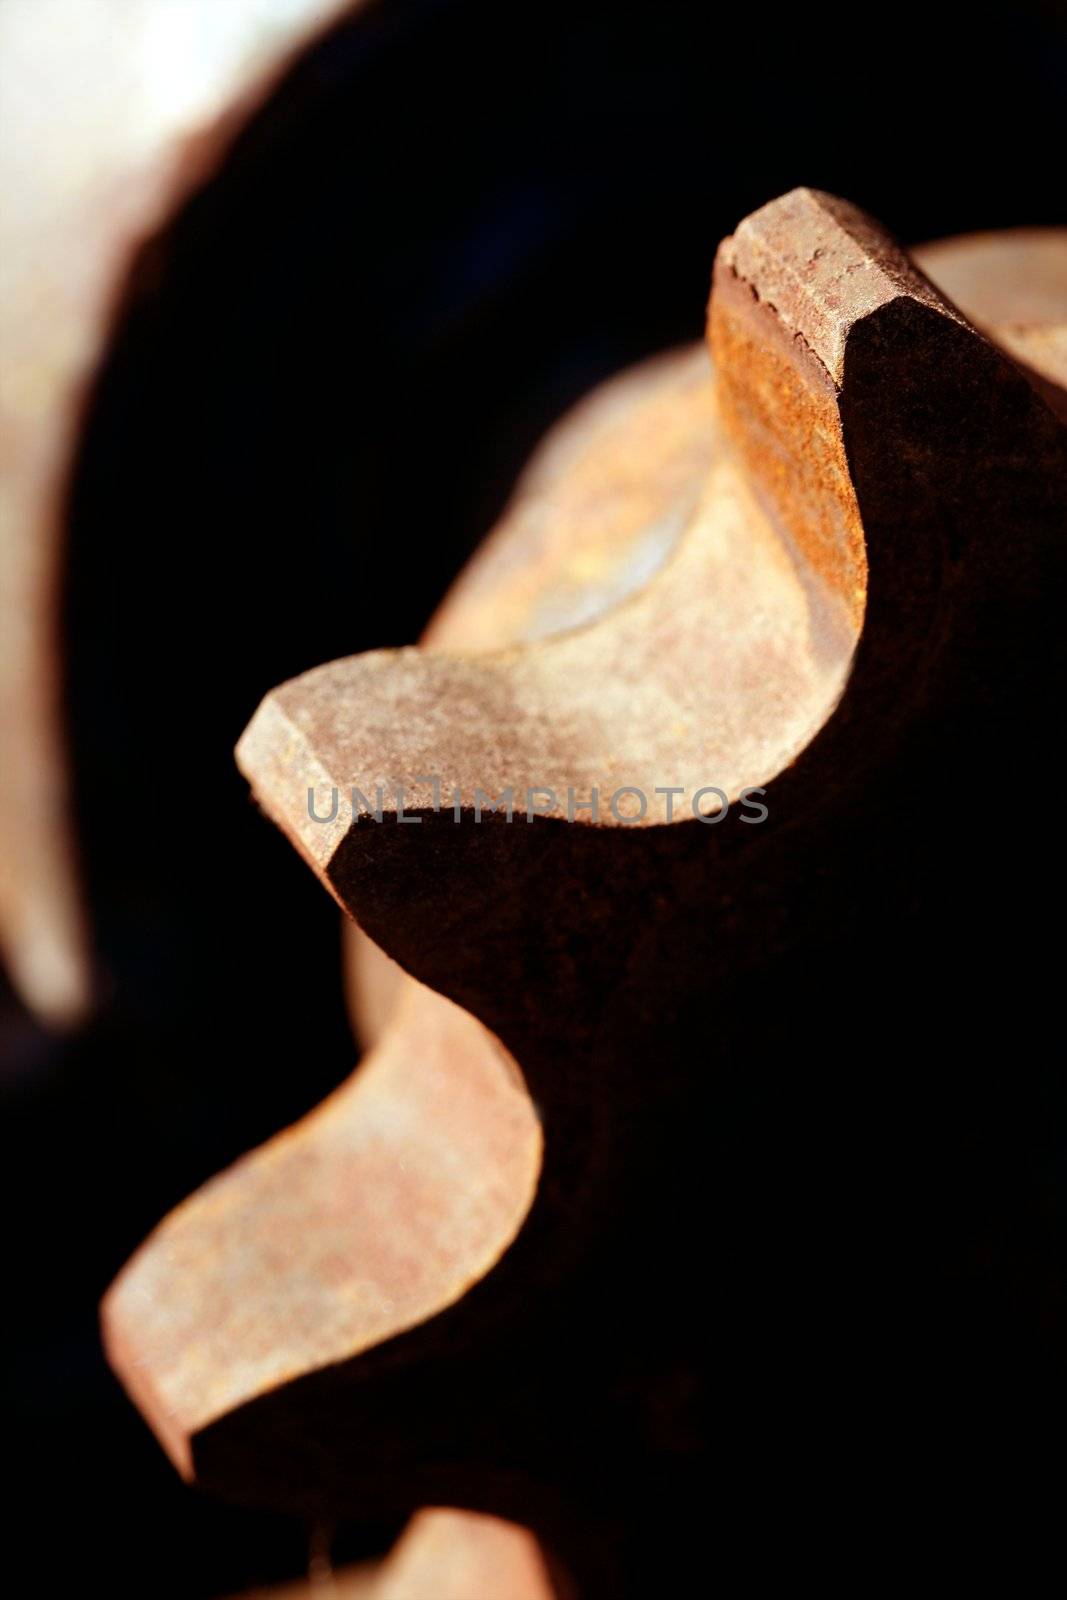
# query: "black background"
{"points": [[450, 221]]}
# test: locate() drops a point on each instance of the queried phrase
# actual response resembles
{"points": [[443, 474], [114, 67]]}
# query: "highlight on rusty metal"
{"points": [[451, 1555], [840, 500]]}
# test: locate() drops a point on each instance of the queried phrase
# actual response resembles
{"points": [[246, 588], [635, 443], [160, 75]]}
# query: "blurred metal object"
{"points": [[111, 112], [446, 1555], [1012, 285]]}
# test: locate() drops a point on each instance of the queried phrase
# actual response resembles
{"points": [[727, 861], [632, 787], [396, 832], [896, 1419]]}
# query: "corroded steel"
{"points": [[800, 575]]}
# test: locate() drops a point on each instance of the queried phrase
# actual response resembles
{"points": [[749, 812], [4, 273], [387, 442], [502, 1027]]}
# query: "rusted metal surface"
{"points": [[365, 1219], [877, 495], [601, 506], [556, 553]]}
